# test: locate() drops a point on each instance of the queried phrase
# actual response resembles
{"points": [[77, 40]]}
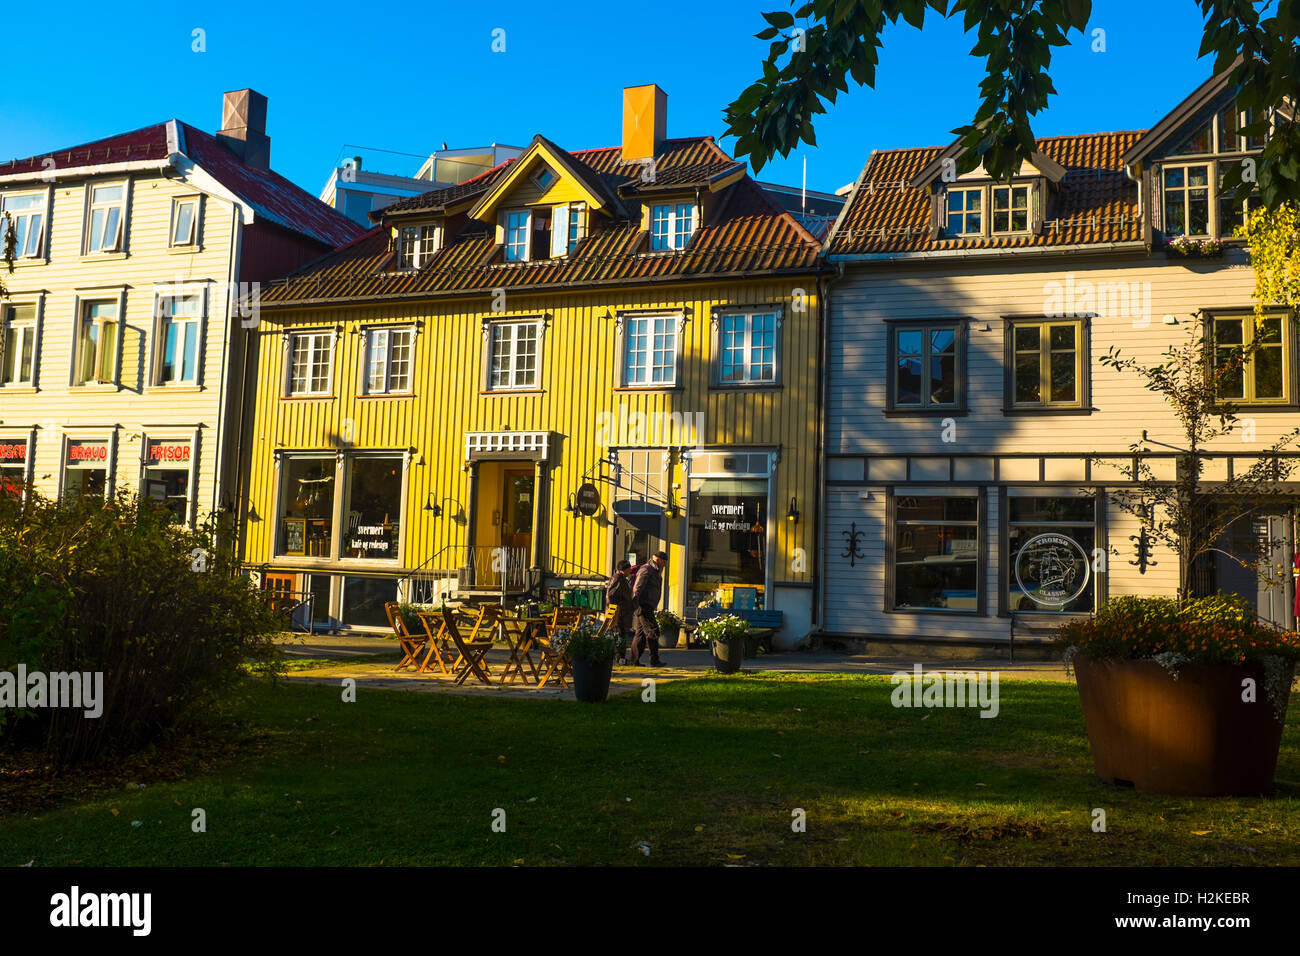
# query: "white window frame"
{"points": [[507, 245], [1010, 193], [110, 462], [1211, 196], [194, 237], [83, 300], [43, 234], [675, 237], [192, 439], [966, 212], [33, 327], [574, 217], [512, 382], [424, 245], [314, 351], [118, 245], [369, 338], [747, 346], [629, 325], [161, 323]]}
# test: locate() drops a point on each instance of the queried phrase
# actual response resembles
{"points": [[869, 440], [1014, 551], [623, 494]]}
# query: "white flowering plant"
{"points": [[725, 627]]}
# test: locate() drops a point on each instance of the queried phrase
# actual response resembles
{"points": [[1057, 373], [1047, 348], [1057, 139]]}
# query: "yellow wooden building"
{"points": [[511, 384]]}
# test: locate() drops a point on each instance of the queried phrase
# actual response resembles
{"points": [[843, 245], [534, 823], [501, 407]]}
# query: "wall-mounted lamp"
{"points": [[572, 506], [792, 513], [432, 507]]}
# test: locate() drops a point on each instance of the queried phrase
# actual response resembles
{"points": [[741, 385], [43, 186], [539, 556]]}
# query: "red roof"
{"points": [[273, 198]]}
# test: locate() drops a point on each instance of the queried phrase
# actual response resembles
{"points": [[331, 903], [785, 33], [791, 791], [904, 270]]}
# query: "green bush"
{"points": [[584, 642], [1221, 628], [114, 587]]}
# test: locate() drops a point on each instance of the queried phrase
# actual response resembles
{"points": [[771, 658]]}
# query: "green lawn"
{"points": [[707, 774]]}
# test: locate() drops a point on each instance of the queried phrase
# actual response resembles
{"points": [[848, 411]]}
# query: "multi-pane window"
{"points": [[1262, 377], [936, 553], [185, 222], [1010, 208], [388, 361], [1045, 363], [650, 350], [573, 226], [27, 220], [311, 359], [518, 231], [925, 362], [965, 212], [417, 246], [514, 355], [105, 217], [1187, 200], [747, 348], [1050, 544], [96, 348], [671, 225], [17, 344], [180, 318], [568, 227]]}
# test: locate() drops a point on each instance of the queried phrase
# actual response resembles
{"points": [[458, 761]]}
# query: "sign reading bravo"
{"points": [[87, 453]]}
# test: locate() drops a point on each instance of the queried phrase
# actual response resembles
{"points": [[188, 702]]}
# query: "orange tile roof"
{"points": [[1095, 203], [747, 234]]}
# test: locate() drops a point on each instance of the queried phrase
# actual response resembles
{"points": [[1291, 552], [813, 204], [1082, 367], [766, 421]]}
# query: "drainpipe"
{"points": [[823, 387]]}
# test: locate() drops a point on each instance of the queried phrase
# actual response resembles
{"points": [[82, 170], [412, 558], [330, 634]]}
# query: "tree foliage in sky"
{"points": [[824, 46]]}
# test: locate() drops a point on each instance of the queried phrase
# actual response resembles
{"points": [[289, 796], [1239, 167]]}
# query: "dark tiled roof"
{"points": [[747, 234], [1096, 201], [272, 197], [136, 146]]}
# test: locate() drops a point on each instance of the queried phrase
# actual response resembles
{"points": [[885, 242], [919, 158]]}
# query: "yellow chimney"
{"points": [[645, 121]]}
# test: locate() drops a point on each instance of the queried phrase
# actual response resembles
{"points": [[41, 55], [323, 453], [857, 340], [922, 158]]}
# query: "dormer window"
{"points": [[544, 178], [965, 212], [416, 246], [671, 226], [1187, 200]]}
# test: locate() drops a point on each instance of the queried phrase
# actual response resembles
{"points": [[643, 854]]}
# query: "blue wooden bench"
{"points": [[760, 620]]}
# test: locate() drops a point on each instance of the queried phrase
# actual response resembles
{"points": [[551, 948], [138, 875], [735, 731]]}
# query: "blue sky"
{"points": [[409, 77]]}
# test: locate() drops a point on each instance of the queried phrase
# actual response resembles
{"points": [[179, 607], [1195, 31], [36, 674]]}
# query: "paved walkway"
{"points": [[346, 658]]}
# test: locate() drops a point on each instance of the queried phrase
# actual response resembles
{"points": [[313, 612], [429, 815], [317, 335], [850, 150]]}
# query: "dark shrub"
{"points": [[111, 586]]}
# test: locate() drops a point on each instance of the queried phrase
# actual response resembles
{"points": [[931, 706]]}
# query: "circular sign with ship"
{"points": [[1052, 570]]}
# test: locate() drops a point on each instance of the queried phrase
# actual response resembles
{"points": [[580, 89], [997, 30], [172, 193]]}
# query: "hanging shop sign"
{"points": [[1052, 569], [587, 500]]}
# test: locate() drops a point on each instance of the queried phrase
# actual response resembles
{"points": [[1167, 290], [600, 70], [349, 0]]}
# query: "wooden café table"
{"points": [[519, 633]]}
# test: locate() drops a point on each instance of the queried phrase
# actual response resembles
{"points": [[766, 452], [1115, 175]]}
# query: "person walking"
{"points": [[619, 591], [646, 592]]}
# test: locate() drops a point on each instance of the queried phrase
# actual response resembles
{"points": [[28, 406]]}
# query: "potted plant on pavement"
{"points": [[1187, 696], [1183, 698], [592, 656], [726, 634], [670, 628]]}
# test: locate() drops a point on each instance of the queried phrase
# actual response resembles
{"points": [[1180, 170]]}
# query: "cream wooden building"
{"points": [[122, 360], [967, 407]]}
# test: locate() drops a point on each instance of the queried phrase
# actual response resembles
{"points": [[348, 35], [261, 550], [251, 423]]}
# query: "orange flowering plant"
{"points": [[1218, 629]]}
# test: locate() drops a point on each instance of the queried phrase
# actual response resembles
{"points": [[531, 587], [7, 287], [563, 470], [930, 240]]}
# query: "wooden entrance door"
{"points": [[517, 510]]}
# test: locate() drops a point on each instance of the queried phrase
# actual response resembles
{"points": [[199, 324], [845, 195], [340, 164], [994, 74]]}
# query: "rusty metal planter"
{"points": [[1193, 736]]}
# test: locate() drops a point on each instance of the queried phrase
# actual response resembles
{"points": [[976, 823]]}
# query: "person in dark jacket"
{"points": [[619, 591], [646, 592]]}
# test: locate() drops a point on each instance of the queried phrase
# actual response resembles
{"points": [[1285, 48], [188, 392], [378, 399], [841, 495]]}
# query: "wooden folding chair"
{"points": [[472, 650], [410, 643], [611, 617], [554, 663], [565, 616]]}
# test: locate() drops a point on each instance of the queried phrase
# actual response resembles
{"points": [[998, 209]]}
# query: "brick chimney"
{"points": [[243, 127], [645, 121]]}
